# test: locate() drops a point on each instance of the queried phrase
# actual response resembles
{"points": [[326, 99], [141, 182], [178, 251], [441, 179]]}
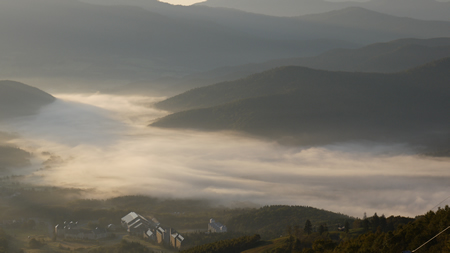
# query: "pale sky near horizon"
{"points": [[189, 2], [182, 2]]}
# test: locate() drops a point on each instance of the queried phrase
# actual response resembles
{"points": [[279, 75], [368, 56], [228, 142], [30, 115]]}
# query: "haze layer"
{"points": [[102, 143]]}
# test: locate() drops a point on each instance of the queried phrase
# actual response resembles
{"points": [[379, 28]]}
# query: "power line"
{"points": [[440, 203], [427, 241]]}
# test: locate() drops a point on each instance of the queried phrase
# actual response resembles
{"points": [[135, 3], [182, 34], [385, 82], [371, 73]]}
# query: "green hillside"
{"points": [[18, 99]]}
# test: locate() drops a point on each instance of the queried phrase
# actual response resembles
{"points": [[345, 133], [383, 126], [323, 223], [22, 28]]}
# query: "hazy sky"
{"points": [[182, 2], [103, 143], [189, 2]]}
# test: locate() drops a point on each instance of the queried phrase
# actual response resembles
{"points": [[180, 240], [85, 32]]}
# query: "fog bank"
{"points": [[103, 143]]}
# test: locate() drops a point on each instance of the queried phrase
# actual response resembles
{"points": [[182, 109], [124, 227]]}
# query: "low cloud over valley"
{"points": [[103, 143]]}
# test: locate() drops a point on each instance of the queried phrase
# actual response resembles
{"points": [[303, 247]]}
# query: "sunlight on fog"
{"points": [[181, 2], [102, 143]]}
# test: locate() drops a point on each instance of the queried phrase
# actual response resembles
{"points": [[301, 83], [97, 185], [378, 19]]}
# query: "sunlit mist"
{"points": [[103, 143]]}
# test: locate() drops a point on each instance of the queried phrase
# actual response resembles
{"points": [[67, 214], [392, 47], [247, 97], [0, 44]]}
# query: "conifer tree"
{"points": [[308, 227], [347, 227]]}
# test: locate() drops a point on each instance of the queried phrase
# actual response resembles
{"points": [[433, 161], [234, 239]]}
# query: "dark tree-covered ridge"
{"points": [[18, 99], [314, 107], [273, 220]]}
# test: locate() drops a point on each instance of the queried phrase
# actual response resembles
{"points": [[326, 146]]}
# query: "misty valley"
{"points": [[224, 126]]}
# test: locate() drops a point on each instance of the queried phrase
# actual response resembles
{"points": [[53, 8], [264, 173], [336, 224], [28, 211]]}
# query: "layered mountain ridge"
{"points": [[141, 40], [421, 9], [313, 107], [386, 57]]}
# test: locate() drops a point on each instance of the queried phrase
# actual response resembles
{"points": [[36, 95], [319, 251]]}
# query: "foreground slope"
{"points": [[318, 107], [379, 235], [18, 99], [405, 238]]}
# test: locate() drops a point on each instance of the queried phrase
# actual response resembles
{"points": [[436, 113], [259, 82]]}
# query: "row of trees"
{"points": [[308, 228], [405, 237], [380, 223], [272, 221]]}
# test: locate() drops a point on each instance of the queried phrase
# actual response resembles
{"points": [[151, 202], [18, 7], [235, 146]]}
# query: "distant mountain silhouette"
{"points": [[93, 42], [420, 9], [393, 56], [66, 39], [310, 107], [366, 25], [287, 79], [18, 99]]}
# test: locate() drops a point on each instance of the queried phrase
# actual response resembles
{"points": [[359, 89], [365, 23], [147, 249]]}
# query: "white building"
{"points": [[136, 223]]}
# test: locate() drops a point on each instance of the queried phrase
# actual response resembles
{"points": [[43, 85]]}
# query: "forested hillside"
{"points": [[378, 235], [272, 221], [406, 237]]}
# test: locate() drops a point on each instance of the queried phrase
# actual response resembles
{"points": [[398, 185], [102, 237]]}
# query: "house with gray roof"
{"points": [[137, 224], [216, 227]]}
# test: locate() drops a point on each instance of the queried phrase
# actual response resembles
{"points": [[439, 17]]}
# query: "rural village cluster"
{"points": [[137, 225]]}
